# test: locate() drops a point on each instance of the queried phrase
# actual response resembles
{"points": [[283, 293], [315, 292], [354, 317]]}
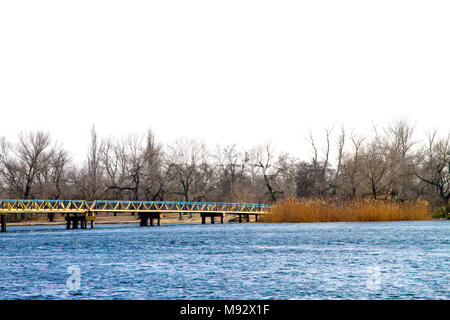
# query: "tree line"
{"points": [[389, 162]]}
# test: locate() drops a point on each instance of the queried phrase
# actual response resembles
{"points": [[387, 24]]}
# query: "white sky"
{"points": [[240, 72]]}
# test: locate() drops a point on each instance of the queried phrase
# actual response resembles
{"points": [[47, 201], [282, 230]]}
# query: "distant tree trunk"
{"points": [[434, 167]]}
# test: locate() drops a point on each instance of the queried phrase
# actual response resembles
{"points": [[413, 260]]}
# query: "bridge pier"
{"points": [[75, 222], [146, 216], [212, 215], [72, 220], [3, 222], [247, 217]]}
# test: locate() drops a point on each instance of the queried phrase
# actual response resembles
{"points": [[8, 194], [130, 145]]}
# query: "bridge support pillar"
{"points": [[3, 222], [74, 219], [91, 218], [246, 216], [144, 220], [256, 218], [146, 216], [211, 215], [75, 223]]}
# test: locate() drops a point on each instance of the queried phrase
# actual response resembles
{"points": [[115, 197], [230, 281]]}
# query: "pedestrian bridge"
{"points": [[81, 211]]}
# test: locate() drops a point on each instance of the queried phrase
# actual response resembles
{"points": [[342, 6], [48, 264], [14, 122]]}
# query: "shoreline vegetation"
{"points": [[358, 210], [289, 210], [387, 163]]}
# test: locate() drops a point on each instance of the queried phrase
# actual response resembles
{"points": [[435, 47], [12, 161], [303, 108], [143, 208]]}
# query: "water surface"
{"points": [[370, 260]]}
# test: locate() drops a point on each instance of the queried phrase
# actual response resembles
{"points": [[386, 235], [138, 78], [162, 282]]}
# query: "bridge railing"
{"points": [[43, 206]]}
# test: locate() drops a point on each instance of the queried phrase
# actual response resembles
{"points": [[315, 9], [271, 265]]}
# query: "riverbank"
{"points": [[134, 220], [167, 218], [288, 210]]}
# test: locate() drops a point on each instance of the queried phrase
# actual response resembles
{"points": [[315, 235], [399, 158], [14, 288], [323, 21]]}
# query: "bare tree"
{"points": [[434, 166], [352, 167], [340, 148], [375, 169], [52, 179], [121, 164], [132, 166], [21, 163], [189, 172], [263, 159], [153, 179], [398, 141], [287, 173], [33, 167], [318, 173], [231, 167], [88, 181]]}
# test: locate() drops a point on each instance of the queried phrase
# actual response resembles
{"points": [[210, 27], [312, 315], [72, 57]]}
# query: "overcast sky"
{"points": [[243, 72]]}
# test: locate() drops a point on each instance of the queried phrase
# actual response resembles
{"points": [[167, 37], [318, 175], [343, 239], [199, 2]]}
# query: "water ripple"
{"points": [[392, 260]]}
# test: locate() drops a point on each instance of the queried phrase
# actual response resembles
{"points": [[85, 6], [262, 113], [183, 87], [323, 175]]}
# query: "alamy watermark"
{"points": [[73, 282], [373, 282]]}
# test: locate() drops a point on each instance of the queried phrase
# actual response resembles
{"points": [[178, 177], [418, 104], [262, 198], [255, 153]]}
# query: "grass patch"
{"points": [[302, 210]]}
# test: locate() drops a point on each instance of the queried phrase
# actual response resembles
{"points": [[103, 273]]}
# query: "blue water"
{"points": [[380, 260]]}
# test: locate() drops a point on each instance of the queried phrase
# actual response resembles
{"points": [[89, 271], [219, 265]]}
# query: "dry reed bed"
{"points": [[301, 210]]}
